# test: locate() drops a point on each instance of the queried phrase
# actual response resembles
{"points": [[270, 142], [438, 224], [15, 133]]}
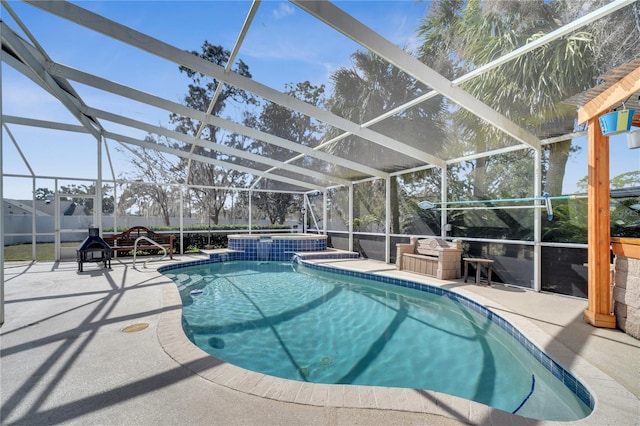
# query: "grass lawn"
{"points": [[44, 251]]}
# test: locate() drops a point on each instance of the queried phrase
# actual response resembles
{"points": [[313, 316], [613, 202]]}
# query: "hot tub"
{"points": [[277, 247]]}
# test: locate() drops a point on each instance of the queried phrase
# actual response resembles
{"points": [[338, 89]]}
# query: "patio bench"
{"points": [[125, 241]]}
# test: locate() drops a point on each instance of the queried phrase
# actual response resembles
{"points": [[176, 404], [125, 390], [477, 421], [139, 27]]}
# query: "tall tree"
{"points": [[44, 193], [367, 90], [84, 196], [212, 183], [288, 124], [150, 167], [459, 36]]}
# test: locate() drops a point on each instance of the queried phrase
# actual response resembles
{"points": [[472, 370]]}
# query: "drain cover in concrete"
{"points": [[135, 327]]}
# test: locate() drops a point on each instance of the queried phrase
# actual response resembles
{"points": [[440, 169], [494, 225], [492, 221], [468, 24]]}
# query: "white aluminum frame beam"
{"points": [[54, 69], [223, 149], [36, 63], [23, 121], [539, 42], [155, 129], [156, 101], [17, 147], [207, 160], [358, 32], [603, 11], [156, 47], [227, 68]]}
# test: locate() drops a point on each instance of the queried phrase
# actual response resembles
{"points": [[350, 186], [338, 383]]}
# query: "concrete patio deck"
{"points": [[66, 359]]}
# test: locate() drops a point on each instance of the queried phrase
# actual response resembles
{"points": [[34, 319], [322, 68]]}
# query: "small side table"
{"points": [[478, 264]]}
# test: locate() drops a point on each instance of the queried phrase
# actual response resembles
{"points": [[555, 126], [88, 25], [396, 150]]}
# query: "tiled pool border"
{"points": [[233, 255], [273, 247], [573, 384]]}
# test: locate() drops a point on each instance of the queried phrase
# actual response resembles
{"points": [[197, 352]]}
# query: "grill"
{"points": [[93, 249]]}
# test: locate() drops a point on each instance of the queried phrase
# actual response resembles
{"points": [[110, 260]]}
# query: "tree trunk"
{"points": [[558, 157], [164, 207], [215, 215], [479, 177], [395, 207]]}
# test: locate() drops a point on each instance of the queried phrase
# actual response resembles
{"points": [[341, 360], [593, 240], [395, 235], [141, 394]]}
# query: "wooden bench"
{"points": [[125, 241], [477, 262]]}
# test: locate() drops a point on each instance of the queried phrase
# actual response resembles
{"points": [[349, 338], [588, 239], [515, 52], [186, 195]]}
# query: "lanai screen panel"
{"points": [[131, 83], [412, 189], [423, 126], [360, 150], [338, 209], [108, 99], [530, 89], [416, 128]]}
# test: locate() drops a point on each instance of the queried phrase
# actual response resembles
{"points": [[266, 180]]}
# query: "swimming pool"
{"points": [[309, 324]]}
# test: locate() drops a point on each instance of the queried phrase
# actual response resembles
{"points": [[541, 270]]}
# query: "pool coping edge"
{"points": [[612, 400]]}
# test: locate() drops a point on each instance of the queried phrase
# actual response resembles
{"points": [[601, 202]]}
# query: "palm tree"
{"points": [[368, 89], [459, 36]]}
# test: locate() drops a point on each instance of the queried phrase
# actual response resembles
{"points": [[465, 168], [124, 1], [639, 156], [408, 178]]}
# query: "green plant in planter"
{"points": [[192, 249]]}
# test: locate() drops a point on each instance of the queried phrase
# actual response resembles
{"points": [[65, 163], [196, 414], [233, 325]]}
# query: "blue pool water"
{"points": [[301, 323]]}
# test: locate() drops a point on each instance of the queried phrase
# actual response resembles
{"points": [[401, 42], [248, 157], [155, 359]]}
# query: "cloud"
{"points": [[412, 44], [283, 10]]}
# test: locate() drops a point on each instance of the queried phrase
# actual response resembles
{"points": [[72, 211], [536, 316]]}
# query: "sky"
{"points": [[284, 45]]}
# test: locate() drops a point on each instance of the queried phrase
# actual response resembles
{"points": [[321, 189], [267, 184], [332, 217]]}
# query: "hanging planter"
{"points": [[616, 122], [633, 139]]}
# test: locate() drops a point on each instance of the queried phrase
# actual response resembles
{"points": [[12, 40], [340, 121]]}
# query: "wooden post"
{"points": [[598, 312]]}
